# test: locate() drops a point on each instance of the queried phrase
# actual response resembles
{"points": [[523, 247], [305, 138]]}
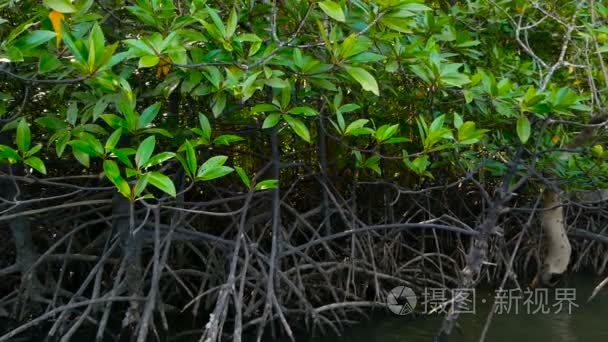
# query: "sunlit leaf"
{"points": [[162, 182], [298, 126], [144, 151], [36, 163], [24, 137], [333, 10], [523, 128], [367, 81]]}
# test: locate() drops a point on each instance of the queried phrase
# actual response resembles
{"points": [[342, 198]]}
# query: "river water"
{"points": [[586, 322]]}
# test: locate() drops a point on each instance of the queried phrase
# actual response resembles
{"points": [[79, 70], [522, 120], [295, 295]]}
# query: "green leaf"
{"points": [[144, 151], [219, 103], [341, 122], [76, 47], [48, 63], [33, 150], [63, 6], [113, 140], [110, 168], [468, 134], [141, 184], [349, 107], [468, 96], [307, 111], [33, 39], [214, 168], [437, 124], [148, 61], [419, 165], [96, 46], [94, 129], [243, 175], [160, 131], [597, 150], [271, 120], [372, 164], [217, 21], [267, 184], [231, 24], [11, 125], [130, 173], [24, 138], [205, 126], [84, 146], [93, 142], [396, 140], [386, 132], [214, 76], [397, 24], [62, 142], [213, 162], [227, 139], [140, 48], [285, 97], [423, 72], [8, 153], [159, 158], [367, 81], [277, 83], [52, 123], [169, 40], [264, 107], [214, 172], [127, 108], [457, 120], [36, 163], [114, 121], [82, 157], [123, 155], [298, 126], [333, 10], [72, 113], [355, 125], [523, 128], [162, 182], [190, 158], [148, 115]]}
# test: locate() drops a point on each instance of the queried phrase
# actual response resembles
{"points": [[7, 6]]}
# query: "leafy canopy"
{"points": [[142, 89]]}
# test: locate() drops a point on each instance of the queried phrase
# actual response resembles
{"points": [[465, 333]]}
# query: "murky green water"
{"points": [[586, 323]]}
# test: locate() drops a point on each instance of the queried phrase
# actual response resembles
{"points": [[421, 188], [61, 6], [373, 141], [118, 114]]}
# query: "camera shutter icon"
{"points": [[401, 300]]}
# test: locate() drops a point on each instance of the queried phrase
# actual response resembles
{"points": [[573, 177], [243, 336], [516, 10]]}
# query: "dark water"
{"points": [[586, 323]]}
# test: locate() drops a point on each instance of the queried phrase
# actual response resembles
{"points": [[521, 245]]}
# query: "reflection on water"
{"points": [[586, 323]]}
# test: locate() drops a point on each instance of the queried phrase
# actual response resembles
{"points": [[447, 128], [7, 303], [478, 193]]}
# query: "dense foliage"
{"points": [[167, 101], [450, 79], [446, 86]]}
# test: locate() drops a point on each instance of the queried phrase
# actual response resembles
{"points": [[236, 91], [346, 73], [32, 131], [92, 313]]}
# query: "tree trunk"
{"points": [[558, 249]]}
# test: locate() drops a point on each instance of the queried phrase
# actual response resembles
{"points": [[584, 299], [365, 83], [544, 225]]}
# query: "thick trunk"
{"points": [[558, 249]]}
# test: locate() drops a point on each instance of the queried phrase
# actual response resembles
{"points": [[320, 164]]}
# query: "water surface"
{"points": [[586, 323]]}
